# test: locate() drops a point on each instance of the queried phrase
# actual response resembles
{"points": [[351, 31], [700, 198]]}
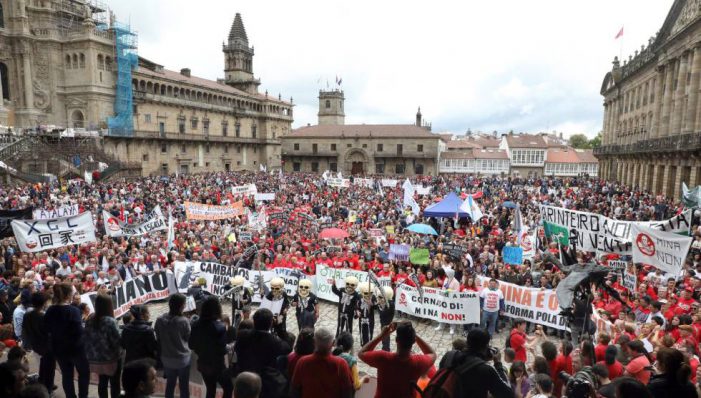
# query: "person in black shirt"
{"points": [[386, 310]]}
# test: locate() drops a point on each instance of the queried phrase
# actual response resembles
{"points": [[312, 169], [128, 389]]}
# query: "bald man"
{"points": [[247, 385]]}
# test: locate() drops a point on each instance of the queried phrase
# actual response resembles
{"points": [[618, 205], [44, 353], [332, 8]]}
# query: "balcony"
{"points": [[675, 143], [155, 135]]}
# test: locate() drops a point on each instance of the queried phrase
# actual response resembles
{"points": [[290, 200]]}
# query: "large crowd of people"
{"points": [[651, 350]]}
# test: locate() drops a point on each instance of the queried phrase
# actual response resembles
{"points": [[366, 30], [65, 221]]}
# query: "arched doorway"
{"points": [[356, 161], [77, 119], [5, 80]]}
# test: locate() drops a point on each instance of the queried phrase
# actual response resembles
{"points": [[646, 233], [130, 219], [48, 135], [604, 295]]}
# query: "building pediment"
{"points": [[76, 103], [688, 14]]}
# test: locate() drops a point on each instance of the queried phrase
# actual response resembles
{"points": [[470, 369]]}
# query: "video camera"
{"points": [[581, 384]]}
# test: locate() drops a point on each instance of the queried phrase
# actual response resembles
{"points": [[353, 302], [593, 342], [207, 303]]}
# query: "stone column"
{"points": [[2, 101], [656, 112], [28, 88], [690, 116], [653, 188], [665, 179], [693, 174], [607, 115], [678, 111], [666, 100]]}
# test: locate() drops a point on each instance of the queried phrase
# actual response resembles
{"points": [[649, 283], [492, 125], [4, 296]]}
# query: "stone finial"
{"points": [[266, 93], [636, 53], [616, 63], [291, 100]]}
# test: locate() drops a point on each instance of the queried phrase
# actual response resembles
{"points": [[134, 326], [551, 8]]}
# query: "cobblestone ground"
{"points": [[440, 340]]}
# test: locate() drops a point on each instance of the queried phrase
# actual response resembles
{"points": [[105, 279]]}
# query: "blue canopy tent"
{"points": [[446, 208]]}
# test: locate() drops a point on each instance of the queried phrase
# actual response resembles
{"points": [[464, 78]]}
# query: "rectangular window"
{"points": [[181, 126], [380, 148], [206, 148], [144, 157], [147, 118], [237, 129], [254, 131], [183, 149], [333, 147], [164, 168], [193, 123], [164, 148], [296, 166], [205, 126], [162, 128], [365, 145], [419, 148], [399, 168], [315, 167], [296, 146], [348, 145], [238, 148], [206, 164], [314, 148], [400, 149], [333, 167], [226, 149], [379, 168], [225, 129]]}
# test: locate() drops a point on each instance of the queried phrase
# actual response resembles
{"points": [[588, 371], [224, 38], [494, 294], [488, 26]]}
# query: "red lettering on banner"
{"points": [[553, 304], [452, 317], [539, 298], [527, 297]]}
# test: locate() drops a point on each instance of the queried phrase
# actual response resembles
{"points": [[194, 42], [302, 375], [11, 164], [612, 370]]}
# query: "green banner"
{"points": [[559, 233], [418, 256]]}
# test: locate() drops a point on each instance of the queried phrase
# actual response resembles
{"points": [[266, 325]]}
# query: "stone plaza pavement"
{"points": [[440, 340]]}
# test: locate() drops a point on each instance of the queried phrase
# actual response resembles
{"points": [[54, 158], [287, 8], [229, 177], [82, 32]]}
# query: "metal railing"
{"points": [[675, 143]]}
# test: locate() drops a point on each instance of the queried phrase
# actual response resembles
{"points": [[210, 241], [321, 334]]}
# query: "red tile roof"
{"points": [[570, 155], [525, 141], [364, 130]]}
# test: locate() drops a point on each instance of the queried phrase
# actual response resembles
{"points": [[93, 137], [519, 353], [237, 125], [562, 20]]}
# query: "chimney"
{"points": [[185, 72]]}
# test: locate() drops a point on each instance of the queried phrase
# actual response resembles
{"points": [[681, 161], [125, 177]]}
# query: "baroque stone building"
{"points": [[652, 114], [60, 65], [406, 149]]}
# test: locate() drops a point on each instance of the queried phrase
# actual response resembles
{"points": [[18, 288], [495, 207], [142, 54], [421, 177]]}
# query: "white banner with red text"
{"points": [[445, 306]]}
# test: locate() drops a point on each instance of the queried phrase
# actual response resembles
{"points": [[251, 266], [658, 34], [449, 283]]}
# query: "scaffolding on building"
{"points": [[122, 124]]}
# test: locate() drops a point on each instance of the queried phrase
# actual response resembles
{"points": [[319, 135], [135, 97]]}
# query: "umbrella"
{"points": [[422, 229], [333, 233], [509, 204]]}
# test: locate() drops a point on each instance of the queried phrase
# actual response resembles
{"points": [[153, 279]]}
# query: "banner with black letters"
{"points": [[153, 221], [6, 217], [37, 235], [445, 306]]}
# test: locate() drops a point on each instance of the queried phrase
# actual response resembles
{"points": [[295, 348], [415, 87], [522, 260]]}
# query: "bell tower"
{"points": [[331, 107], [238, 59]]}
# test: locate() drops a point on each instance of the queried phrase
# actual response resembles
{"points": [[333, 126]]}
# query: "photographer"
{"points": [[476, 377]]}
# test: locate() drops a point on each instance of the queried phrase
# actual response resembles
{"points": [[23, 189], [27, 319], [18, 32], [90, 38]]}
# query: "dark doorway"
{"points": [[5, 82], [357, 168]]}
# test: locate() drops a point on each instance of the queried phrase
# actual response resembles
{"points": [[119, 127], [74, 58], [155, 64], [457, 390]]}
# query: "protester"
{"points": [[673, 379], [36, 336], [173, 333], [247, 385], [322, 374], [397, 371], [102, 347], [303, 346], [518, 377], [139, 378], [138, 337], [344, 349]]}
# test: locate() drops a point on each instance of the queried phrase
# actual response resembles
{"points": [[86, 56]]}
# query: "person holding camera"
{"points": [[476, 378]]}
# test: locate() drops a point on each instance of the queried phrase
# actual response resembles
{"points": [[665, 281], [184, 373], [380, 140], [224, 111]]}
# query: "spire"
{"points": [[418, 118], [238, 32]]}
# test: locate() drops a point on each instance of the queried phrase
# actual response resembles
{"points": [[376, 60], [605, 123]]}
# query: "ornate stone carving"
{"points": [[690, 11], [42, 97]]}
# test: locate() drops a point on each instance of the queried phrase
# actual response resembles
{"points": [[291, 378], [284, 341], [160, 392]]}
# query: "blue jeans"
{"points": [[182, 376], [489, 321]]}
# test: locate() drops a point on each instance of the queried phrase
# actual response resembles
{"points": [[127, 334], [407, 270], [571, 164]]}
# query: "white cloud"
{"points": [[503, 65]]}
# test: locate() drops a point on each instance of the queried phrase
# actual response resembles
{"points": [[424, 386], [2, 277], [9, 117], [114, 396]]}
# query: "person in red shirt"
{"points": [[322, 374], [685, 302], [517, 340], [397, 371], [555, 364], [614, 367], [600, 349]]}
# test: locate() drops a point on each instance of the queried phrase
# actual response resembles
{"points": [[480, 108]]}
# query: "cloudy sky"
{"points": [[484, 65]]}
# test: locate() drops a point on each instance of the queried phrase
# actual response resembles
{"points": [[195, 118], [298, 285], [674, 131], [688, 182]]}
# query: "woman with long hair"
{"points": [[674, 377], [102, 347], [208, 340], [303, 346], [518, 377], [344, 349]]}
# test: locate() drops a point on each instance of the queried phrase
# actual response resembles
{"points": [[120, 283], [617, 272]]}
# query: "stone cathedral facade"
{"points": [[58, 66], [652, 111]]}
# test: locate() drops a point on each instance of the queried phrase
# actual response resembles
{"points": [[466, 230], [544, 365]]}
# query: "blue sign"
{"points": [[513, 255]]}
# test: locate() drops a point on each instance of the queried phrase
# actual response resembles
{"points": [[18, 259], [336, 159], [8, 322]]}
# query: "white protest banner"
{"points": [[200, 211], [326, 275], [338, 182], [264, 197], [532, 304], [440, 305], [249, 189], [386, 182], [594, 232], [63, 211], [421, 190], [139, 290], [257, 221], [663, 250], [529, 245], [602, 325], [617, 265], [630, 280], [364, 182], [38, 235], [153, 221]]}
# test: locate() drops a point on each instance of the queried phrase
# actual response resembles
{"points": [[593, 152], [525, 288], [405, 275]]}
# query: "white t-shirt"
{"points": [[491, 299]]}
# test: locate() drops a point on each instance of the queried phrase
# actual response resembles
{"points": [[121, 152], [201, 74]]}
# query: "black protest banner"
{"points": [[140, 290], [455, 251]]}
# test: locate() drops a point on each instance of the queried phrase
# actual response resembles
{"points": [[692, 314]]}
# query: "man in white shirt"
{"points": [[492, 303]]}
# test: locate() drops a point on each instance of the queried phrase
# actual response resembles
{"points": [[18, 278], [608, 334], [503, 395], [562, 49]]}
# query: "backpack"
{"points": [[446, 382]]}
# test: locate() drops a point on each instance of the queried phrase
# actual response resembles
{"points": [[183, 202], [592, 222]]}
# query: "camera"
{"points": [[580, 384], [32, 378]]}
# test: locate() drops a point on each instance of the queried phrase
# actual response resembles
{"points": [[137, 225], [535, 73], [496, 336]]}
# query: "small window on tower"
{"points": [[328, 104]]}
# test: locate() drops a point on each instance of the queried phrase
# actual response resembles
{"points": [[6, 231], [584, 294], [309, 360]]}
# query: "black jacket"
{"points": [[208, 340], [139, 341], [34, 332], [661, 386], [482, 379], [256, 350]]}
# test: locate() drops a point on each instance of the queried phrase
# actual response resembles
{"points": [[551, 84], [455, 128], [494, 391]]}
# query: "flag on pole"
{"points": [[619, 34], [409, 200], [171, 231], [470, 207], [518, 224]]}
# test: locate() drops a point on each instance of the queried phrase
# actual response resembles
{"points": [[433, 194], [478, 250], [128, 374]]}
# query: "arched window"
{"points": [[108, 64], [82, 61], [75, 61], [100, 62], [68, 61], [328, 104], [77, 119], [2, 17]]}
